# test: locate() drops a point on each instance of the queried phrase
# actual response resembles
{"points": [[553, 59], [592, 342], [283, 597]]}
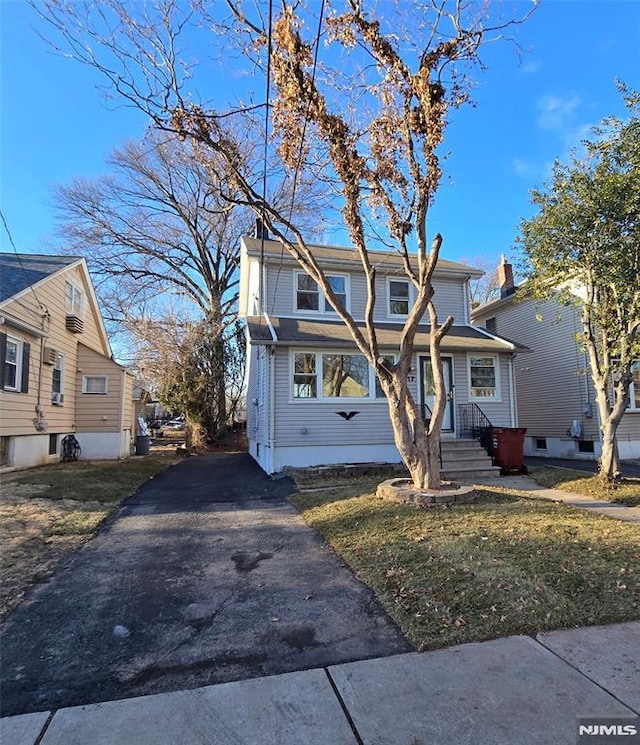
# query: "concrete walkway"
{"points": [[513, 691], [601, 506]]}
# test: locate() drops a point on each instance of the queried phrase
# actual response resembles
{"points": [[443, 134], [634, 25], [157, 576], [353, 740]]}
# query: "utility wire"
{"points": [[299, 161], [266, 152], [43, 307]]}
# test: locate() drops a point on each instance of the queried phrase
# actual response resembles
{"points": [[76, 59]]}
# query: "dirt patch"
{"points": [[36, 535]]}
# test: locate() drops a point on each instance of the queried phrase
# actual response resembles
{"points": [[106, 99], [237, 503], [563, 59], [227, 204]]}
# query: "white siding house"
{"points": [[555, 395], [296, 416]]}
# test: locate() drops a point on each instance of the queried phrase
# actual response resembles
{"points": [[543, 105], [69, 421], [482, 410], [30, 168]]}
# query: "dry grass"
{"points": [[47, 513], [506, 565], [626, 491]]}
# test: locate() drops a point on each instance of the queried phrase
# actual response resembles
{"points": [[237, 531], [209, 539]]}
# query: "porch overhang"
{"points": [[303, 332]]}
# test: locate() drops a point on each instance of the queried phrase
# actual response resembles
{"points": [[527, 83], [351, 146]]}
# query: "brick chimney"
{"points": [[505, 278], [261, 230]]}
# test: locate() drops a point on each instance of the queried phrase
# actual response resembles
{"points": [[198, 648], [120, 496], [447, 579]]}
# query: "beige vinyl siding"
{"points": [[17, 410], [97, 412], [281, 295], [551, 390]]}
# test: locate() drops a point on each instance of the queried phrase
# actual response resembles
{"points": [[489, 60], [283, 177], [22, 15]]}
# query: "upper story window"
{"points": [[96, 384], [14, 364], [75, 300], [484, 380], [399, 297], [491, 325], [309, 297]]}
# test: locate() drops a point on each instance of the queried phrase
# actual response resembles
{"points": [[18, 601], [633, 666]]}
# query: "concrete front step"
{"points": [[454, 464], [470, 474]]}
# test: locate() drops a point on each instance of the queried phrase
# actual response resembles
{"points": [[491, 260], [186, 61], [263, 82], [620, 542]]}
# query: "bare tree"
{"points": [[368, 117], [160, 225]]}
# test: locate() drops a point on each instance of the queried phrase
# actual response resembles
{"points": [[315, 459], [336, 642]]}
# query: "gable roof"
{"points": [[21, 272], [339, 255], [294, 332], [18, 272]]}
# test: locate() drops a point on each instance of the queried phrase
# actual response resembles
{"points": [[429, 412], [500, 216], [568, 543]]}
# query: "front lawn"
{"points": [[506, 565], [47, 513], [627, 491]]}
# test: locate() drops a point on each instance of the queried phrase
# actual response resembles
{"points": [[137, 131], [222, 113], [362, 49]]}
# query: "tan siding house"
{"points": [[54, 355], [555, 396], [295, 339]]}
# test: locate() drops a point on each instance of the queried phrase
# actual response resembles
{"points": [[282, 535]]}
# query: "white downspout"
{"points": [[512, 394], [272, 412]]}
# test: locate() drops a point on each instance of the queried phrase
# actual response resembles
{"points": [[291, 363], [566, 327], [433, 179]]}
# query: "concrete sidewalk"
{"points": [[600, 506], [513, 691]]}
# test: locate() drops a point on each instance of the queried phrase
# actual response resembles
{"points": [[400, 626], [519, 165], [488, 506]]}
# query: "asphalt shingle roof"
{"points": [[291, 331], [19, 271]]}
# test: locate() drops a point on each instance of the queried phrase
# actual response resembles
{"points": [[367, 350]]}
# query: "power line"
{"points": [[15, 250], [265, 156], [300, 150]]}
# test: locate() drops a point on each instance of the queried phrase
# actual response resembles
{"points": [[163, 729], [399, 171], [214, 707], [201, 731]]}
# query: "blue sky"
{"points": [[55, 125]]}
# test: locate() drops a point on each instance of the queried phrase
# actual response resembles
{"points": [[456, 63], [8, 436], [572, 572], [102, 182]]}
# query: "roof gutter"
{"points": [[7, 320]]}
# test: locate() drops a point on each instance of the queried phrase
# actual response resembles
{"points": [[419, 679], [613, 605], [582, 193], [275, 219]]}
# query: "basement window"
{"points": [[585, 446], [53, 444], [541, 443]]}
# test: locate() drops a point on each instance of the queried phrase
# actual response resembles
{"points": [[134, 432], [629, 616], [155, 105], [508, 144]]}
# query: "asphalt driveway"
{"points": [[205, 575]]}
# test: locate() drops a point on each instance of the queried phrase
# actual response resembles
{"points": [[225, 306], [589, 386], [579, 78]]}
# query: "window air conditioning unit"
{"points": [[74, 324], [49, 356], [57, 399]]}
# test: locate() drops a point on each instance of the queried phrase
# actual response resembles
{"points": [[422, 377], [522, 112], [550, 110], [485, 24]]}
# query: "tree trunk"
{"points": [[610, 459], [419, 450]]}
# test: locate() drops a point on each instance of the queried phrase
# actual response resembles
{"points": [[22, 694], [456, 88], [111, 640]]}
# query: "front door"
{"points": [[427, 391]]}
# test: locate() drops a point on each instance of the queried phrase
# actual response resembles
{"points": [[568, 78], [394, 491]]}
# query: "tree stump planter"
{"points": [[404, 492]]}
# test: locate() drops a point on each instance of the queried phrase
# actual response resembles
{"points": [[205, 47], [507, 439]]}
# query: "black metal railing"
{"points": [[473, 423]]}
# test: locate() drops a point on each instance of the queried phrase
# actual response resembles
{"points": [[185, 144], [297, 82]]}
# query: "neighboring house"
{"points": [[312, 399], [57, 375], [556, 398]]}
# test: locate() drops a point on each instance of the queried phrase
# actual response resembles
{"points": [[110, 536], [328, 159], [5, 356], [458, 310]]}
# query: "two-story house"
{"points": [[312, 398], [555, 394], [57, 375]]}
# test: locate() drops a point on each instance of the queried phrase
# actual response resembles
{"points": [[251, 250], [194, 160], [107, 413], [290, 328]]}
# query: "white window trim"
{"points": [[76, 289], [95, 393], [324, 307], [632, 402], [320, 399], [487, 399], [19, 355], [410, 299]]}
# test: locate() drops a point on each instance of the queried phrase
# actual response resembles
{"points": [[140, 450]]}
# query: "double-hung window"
{"points": [[399, 297], [484, 378], [325, 376], [74, 300], [634, 388], [310, 297], [14, 364], [57, 380]]}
